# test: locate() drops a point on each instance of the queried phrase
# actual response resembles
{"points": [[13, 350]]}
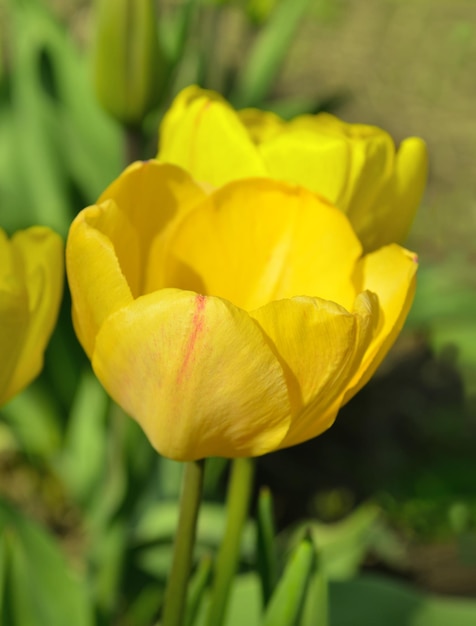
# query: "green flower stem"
{"points": [[238, 500], [133, 138], [176, 592]]}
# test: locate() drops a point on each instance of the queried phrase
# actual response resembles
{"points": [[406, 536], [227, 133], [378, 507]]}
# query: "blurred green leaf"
{"points": [[159, 524], [84, 451], [34, 419], [41, 587], [343, 545], [157, 527], [287, 601], [316, 602], [267, 54], [174, 31], [244, 608], [373, 601], [53, 136], [170, 477], [196, 590], [245, 602], [445, 305], [40, 170], [266, 553], [108, 557]]}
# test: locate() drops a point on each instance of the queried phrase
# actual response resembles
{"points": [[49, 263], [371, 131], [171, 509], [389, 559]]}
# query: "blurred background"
{"points": [[400, 462]]}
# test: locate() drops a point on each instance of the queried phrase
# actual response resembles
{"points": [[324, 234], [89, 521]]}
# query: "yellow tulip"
{"points": [[354, 166], [31, 284], [232, 323]]}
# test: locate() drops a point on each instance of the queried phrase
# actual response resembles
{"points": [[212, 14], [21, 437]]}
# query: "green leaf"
{"points": [[343, 545], [108, 554], [170, 477], [268, 53], [244, 608], [316, 603], [196, 590], [42, 589], [54, 132], [287, 601], [43, 185], [370, 600], [267, 558], [35, 422], [84, 451], [157, 526], [445, 305]]}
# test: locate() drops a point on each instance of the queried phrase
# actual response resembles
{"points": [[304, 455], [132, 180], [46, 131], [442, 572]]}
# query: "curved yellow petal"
{"points": [[112, 240], [389, 218], [322, 344], [411, 172], [40, 252], [96, 279], [197, 373], [372, 168], [150, 195], [258, 240], [391, 273], [14, 315], [31, 282], [202, 133]]}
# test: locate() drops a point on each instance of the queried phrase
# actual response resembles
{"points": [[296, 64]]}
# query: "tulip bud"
{"points": [[128, 64]]}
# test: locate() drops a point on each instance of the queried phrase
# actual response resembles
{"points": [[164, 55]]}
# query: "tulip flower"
{"points": [[231, 323], [128, 61], [31, 282], [354, 166]]}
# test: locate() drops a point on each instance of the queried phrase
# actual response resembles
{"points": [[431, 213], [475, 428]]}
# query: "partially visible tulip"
{"points": [[354, 166], [232, 323], [128, 63], [31, 284]]}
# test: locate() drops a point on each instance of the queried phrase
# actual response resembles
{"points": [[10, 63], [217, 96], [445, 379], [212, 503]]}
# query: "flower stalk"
{"points": [[176, 592], [238, 500]]}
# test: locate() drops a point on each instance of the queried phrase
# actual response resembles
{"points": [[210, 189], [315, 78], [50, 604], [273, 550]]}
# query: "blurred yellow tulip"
{"points": [[354, 166], [31, 284], [231, 323]]}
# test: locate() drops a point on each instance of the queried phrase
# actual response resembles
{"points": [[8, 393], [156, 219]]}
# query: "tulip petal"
{"points": [[96, 280], [261, 125], [204, 135], [309, 158], [390, 216], [411, 171], [40, 252], [254, 241], [13, 313], [150, 194], [390, 272], [322, 344], [197, 373], [371, 171]]}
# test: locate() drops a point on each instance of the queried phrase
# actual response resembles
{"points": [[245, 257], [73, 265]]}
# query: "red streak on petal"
{"points": [[198, 324]]}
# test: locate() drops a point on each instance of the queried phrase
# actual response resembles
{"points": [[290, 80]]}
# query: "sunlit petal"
{"points": [[197, 374]]}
